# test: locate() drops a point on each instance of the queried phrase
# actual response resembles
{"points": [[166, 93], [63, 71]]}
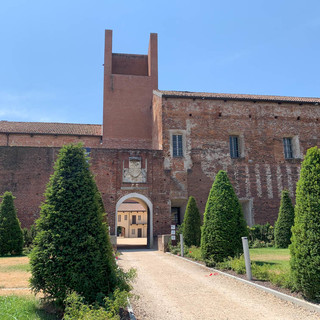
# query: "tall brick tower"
{"points": [[129, 80]]}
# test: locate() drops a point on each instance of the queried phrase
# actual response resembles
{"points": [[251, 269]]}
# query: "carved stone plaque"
{"points": [[134, 174]]}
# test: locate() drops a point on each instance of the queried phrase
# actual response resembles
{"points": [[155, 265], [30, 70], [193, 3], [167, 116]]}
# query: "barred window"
{"points": [[133, 231], [287, 148], [119, 218], [125, 217], [234, 147], [177, 150]]}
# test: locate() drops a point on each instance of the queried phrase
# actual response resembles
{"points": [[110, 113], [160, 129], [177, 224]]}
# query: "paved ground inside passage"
{"points": [[171, 288]]}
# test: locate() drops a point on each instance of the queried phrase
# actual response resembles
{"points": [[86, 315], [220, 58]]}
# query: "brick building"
{"points": [[183, 139]]}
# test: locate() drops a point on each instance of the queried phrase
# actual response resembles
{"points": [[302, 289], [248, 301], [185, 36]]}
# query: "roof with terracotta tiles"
{"points": [[129, 207], [51, 128], [231, 96]]}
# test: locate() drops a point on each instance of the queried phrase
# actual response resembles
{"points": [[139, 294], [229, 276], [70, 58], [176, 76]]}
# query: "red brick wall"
{"points": [[47, 140], [26, 170], [157, 123], [127, 106], [262, 172], [130, 64]]}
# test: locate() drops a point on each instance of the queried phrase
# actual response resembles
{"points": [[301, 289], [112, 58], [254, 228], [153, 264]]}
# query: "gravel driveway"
{"points": [[171, 288]]}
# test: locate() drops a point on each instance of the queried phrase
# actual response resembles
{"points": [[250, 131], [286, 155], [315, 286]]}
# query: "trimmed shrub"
{"points": [[305, 247], [284, 223], [224, 224], [72, 249], [261, 235], [11, 239], [192, 224]]}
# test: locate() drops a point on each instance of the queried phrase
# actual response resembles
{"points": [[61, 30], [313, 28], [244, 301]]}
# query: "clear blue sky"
{"points": [[51, 52]]}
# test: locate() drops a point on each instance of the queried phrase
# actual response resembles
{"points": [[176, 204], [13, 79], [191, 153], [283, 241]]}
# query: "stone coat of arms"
{"points": [[135, 173]]}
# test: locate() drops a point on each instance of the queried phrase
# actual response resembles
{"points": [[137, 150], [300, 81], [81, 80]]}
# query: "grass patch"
{"points": [[14, 273], [17, 267], [276, 259], [20, 308]]}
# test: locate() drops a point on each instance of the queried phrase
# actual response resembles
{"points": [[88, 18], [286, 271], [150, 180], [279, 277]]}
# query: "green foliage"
{"points": [[305, 247], [192, 224], [11, 239], [29, 235], [194, 253], [261, 235], [72, 249], [284, 223], [260, 271], [77, 309], [224, 224]]}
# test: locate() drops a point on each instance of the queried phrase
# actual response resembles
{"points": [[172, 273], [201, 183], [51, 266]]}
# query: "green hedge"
{"points": [[261, 235]]}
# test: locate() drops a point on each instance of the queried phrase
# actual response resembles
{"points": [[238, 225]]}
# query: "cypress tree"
{"points": [[224, 224], [11, 237], [305, 247], [72, 248], [284, 223], [191, 224]]}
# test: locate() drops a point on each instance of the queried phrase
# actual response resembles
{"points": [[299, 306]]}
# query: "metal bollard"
{"points": [[247, 257], [181, 245]]}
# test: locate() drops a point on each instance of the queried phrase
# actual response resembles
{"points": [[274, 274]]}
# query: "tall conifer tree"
{"points": [[191, 224], [72, 248], [11, 237], [305, 247], [284, 223], [224, 224]]}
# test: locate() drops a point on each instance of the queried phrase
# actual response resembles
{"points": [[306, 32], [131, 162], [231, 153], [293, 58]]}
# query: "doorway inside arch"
{"points": [[133, 220]]}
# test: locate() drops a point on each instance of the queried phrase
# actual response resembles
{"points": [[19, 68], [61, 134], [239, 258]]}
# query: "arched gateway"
{"points": [[147, 204]]}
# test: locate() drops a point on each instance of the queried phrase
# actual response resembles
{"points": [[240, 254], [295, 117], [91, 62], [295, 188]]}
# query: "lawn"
{"points": [[277, 259], [16, 299], [14, 275]]}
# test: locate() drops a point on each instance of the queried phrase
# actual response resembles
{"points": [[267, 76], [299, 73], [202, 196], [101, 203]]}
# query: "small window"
{"points": [[125, 217], [133, 231], [119, 218], [134, 219], [175, 215], [287, 148], [234, 147], [177, 150], [139, 217], [87, 152]]}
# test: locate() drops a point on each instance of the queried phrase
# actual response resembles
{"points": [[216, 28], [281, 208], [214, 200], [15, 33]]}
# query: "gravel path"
{"points": [[171, 288]]}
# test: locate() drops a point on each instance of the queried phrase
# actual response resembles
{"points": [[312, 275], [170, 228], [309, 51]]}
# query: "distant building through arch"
{"points": [[147, 204]]}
